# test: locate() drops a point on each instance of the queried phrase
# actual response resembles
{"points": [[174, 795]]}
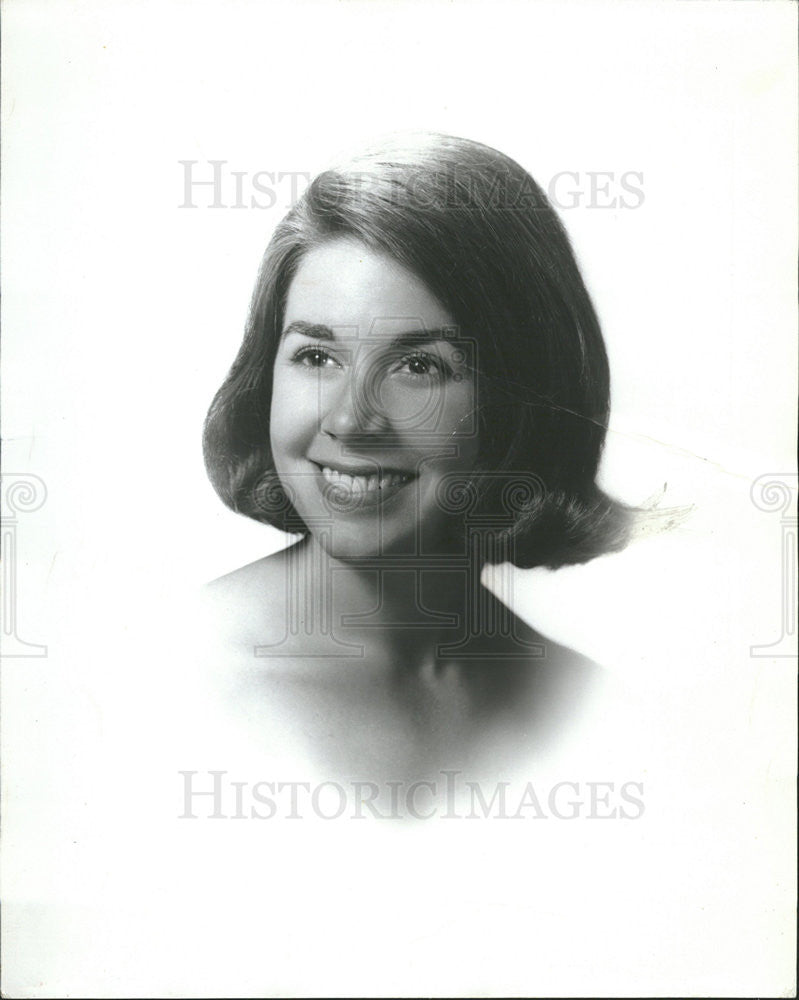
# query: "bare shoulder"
{"points": [[545, 652], [240, 581], [548, 680], [563, 658], [249, 604]]}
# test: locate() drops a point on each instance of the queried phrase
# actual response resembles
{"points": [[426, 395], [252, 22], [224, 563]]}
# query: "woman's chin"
{"points": [[349, 545], [354, 542]]}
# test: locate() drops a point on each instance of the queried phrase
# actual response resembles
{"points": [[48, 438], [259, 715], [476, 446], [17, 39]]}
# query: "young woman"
{"points": [[422, 391]]}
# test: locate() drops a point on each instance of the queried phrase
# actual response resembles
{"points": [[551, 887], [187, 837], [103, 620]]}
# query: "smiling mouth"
{"points": [[371, 484]]}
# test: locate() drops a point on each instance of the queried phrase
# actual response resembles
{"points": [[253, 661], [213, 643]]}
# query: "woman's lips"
{"points": [[361, 488]]}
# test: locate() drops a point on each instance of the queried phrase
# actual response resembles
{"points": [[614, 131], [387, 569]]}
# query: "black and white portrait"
{"points": [[399, 499], [422, 393]]}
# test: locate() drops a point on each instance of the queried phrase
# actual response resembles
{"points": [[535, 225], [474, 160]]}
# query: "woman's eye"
{"points": [[421, 364], [315, 357]]}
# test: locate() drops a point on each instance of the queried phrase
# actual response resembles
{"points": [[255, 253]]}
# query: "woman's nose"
{"points": [[353, 408]]}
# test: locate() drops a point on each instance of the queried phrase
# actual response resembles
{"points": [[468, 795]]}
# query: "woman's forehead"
{"points": [[345, 284]]}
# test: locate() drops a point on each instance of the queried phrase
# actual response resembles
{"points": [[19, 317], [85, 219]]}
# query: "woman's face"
{"points": [[372, 402]]}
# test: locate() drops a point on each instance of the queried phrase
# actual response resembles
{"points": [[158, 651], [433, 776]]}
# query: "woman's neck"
{"points": [[404, 602]]}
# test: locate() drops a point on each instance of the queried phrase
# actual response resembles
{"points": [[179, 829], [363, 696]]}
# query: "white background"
{"points": [[121, 314]]}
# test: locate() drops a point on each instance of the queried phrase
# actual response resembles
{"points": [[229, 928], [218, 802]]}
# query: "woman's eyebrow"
{"points": [[316, 330], [319, 331]]}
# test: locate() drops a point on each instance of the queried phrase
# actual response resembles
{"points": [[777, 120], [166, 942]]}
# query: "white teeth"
{"points": [[363, 484]]}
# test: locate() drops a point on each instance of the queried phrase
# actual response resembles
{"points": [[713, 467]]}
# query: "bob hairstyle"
{"points": [[479, 232]]}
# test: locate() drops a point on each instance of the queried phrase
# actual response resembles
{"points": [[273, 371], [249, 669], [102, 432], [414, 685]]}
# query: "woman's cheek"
{"points": [[293, 407]]}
